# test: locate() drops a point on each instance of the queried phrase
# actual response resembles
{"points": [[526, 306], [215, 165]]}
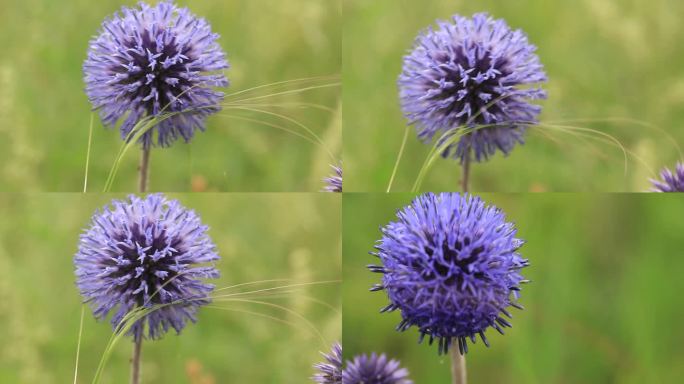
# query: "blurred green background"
{"points": [[604, 59], [45, 115], [603, 307], [259, 237]]}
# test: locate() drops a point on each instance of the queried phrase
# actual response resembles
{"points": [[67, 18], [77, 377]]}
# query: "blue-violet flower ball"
{"points": [[146, 252], [334, 182], [374, 369], [153, 59], [451, 265], [330, 371], [670, 181], [472, 76]]}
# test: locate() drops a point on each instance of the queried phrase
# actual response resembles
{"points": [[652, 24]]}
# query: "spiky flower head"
{"points": [[472, 74], [330, 371], [334, 182], [670, 181], [451, 266], [146, 252], [154, 59], [375, 369]]}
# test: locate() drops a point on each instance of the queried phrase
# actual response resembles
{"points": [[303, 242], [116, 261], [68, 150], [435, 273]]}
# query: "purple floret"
{"points": [[670, 181], [375, 369], [334, 182], [450, 265], [472, 73], [150, 59], [142, 252], [330, 371]]}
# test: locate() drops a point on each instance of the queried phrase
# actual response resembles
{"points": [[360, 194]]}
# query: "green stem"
{"points": [[458, 367], [466, 173], [143, 170]]}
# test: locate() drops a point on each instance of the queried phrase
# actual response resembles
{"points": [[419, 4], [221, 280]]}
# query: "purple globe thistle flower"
{"points": [[472, 73], [330, 371], [147, 60], [374, 369], [671, 181], [334, 182], [451, 266], [144, 252]]}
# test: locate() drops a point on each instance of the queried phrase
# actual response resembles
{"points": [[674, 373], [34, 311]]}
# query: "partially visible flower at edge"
{"points": [[334, 182], [670, 181], [375, 369], [330, 371]]}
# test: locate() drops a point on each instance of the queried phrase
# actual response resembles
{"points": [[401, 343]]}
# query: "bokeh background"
{"points": [[603, 305], [45, 114], [259, 237], [604, 59]]}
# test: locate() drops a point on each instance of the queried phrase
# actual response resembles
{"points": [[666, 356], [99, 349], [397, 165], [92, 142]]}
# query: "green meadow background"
{"points": [[259, 237], [45, 115], [603, 305], [604, 59]]}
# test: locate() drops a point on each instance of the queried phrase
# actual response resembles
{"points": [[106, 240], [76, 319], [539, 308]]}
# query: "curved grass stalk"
{"points": [[288, 92], [291, 120], [143, 126], [301, 80], [627, 120], [289, 323], [285, 309], [609, 140], [276, 288], [283, 295], [284, 105], [149, 122], [561, 145], [124, 326], [594, 131], [251, 283], [78, 343], [139, 313], [90, 142], [451, 136], [446, 140], [399, 156], [280, 127]]}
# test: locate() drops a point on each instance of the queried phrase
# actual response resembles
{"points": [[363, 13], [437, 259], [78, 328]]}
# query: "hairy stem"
{"points": [[466, 172], [143, 170], [135, 361], [458, 367]]}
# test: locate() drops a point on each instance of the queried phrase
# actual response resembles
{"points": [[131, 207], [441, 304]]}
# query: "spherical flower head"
{"points": [[153, 59], [146, 252], [375, 369], [451, 266], [330, 371], [334, 182], [472, 76], [671, 181]]}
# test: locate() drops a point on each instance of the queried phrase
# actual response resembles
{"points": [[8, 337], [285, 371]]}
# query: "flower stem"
{"points": [[458, 367], [143, 170], [466, 173], [135, 361]]}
